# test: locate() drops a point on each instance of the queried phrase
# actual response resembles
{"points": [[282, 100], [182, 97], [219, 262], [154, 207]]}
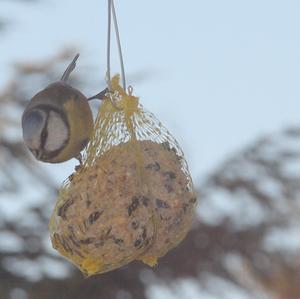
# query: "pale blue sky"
{"points": [[221, 73]]}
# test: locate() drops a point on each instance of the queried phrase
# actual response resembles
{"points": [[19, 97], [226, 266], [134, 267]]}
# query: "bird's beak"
{"points": [[37, 153]]}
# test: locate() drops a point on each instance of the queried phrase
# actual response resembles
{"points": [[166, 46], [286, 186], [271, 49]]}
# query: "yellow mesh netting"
{"points": [[133, 197]]}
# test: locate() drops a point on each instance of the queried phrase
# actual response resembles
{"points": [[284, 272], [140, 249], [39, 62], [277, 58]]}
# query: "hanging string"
{"points": [[119, 44], [112, 13], [108, 77]]}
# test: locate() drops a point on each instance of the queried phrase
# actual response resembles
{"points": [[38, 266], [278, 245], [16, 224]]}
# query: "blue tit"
{"points": [[58, 122]]}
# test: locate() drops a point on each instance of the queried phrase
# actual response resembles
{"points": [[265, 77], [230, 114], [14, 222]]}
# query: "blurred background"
{"points": [[223, 76]]}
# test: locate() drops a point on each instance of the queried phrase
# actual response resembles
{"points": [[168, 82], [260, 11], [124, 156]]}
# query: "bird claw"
{"points": [[79, 158]]}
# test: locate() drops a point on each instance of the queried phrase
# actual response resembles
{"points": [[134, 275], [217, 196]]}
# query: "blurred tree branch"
{"points": [[247, 209]]}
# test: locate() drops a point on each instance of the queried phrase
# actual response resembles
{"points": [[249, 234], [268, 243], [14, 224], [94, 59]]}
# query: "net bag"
{"points": [[132, 198]]}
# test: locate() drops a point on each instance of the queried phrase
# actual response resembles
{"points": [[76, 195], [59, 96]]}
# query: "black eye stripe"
{"points": [[47, 109], [44, 134]]}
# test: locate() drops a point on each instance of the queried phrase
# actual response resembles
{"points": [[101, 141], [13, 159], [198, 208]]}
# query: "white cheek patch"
{"points": [[57, 132]]}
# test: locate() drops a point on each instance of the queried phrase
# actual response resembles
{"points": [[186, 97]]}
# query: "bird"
{"points": [[58, 122]]}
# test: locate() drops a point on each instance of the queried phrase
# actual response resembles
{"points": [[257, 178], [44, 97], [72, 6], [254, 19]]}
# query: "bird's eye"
{"points": [[44, 135]]}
